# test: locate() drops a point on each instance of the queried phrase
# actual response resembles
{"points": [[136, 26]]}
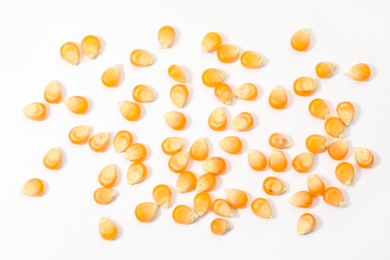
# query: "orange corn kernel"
{"points": [[316, 143], [111, 76], [108, 230], [212, 77], [364, 158], [146, 211], [211, 41], [346, 112], [333, 196], [251, 60], [79, 134], [338, 149], [91, 46], [130, 110], [172, 145], [279, 141], [334, 127], [231, 144], [315, 185], [273, 186], [236, 198], [53, 92], [257, 160], [70, 52], [162, 194], [122, 140], [176, 73], [304, 86], [186, 182], [141, 58], [199, 150], [35, 111], [202, 203], [176, 120], [108, 176], [359, 72], [303, 162], [53, 159], [325, 69], [319, 109], [179, 95], [99, 142], [300, 41], [306, 224], [33, 187], [166, 36], [222, 208], [278, 98], [219, 226], [104, 195], [218, 119], [182, 214], [345, 173], [242, 122], [77, 104], [206, 182], [247, 91], [179, 162], [228, 53], [215, 165], [302, 199], [261, 208], [136, 152], [277, 161], [143, 94], [224, 93], [136, 173]]}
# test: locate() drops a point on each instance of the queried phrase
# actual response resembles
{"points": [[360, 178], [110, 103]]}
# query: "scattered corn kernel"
{"points": [[108, 230], [166, 36], [91, 46], [316, 143], [215, 165], [279, 141], [182, 214], [146, 211], [302, 199], [176, 120], [130, 110], [319, 109], [219, 226], [206, 182], [35, 111], [325, 69], [179, 162], [108, 176], [53, 92], [300, 41], [136, 173], [186, 182], [99, 142], [53, 159], [364, 158], [359, 72], [224, 93], [334, 127], [104, 195], [162, 194], [251, 60], [228, 53], [242, 122], [212, 77], [236, 198], [261, 208], [70, 52], [304, 86], [33, 187], [278, 98], [222, 208], [333, 196], [141, 58], [77, 104], [345, 173], [111, 76], [211, 41], [202, 203], [273, 186], [315, 185], [136, 152], [172, 145], [143, 94], [122, 140], [179, 95], [79, 134], [346, 112], [231, 144], [257, 160], [218, 119], [303, 162], [277, 161], [338, 149], [199, 150], [176, 73], [247, 91], [306, 224]]}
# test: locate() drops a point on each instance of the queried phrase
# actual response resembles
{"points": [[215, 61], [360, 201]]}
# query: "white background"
{"points": [[63, 223]]}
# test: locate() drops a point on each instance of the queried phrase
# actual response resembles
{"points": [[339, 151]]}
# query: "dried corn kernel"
{"points": [[338, 149], [111, 76], [206, 182], [222, 208], [302, 199], [300, 40], [224, 93], [273, 186], [333, 196], [316, 143], [278, 98], [202, 203], [53, 159], [215, 165], [77, 104], [251, 60], [79, 134], [306, 224], [91, 46], [304, 86], [346, 112], [279, 141], [130, 110], [212, 77], [176, 73], [242, 122], [303, 162], [257, 160], [141, 58], [359, 72], [219, 226], [178, 162], [334, 127], [236, 198], [108, 230], [146, 211], [172, 145], [104, 195], [345, 173], [186, 182], [53, 92], [33, 187], [176, 120], [324, 69], [364, 158], [182, 214], [231, 144], [70, 52], [122, 140], [179, 95], [143, 94], [199, 150], [277, 161], [217, 119], [228, 53], [162, 194], [99, 142], [108, 176], [261, 208], [35, 111], [211, 41], [315, 185], [136, 152], [136, 173], [319, 109], [247, 91], [166, 36]]}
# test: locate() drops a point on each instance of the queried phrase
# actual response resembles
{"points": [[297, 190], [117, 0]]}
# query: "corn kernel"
{"points": [[162, 194], [212, 77], [319, 109], [278, 98], [141, 58], [315, 185], [231, 144], [35, 111], [166, 36], [359, 72], [215, 165], [324, 69], [143, 94], [122, 140], [77, 104], [228, 53], [99, 142], [345, 173], [111, 76], [53, 92], [222, 208], [261, 208], [300, 41], [334, 127], [247, 91], [136, 173], [302, 199], [79, 134], [179, 95], [108, 230], [279, 141], [364, 158], [176, 120], [346, 112], [70, 52], [130, 110], [172, 145], [136, 152], [242, 122], [224, 93], [251, 60], [178, 162], [91, 46], [277, 161], [186, 182], [202, 203], [211, 41], [182, 214], [146, 211], [316, 143], [108, 176], [219, 226], [273, 186], [306, 224], [257, 160], [333, 196], [176, 73], [33, 187], [304, 86], [206, 182], [53, 159], [236, 198], [199, 150], [218, 119], [104, 195], [338, 149], [303, 162]]}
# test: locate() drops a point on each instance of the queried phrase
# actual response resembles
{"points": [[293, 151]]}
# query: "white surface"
{"points": [[63, 223]]}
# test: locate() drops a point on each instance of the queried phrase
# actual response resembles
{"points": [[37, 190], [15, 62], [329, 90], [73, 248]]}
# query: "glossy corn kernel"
{"points": [[345, 173], [79, 134], [215, 165], [304, 86], [319, 109], [33, 187], [104, 195], [242, 122], [108, 230], [273, 186], [224, 93], [278, 98], [251, 60], [257, 160], [177, 74], [300, 41], [70, 52], [199, 150], [315, 185], [206, 182], [364, 158], [218, 119], [77, 104], [236, 198], [136, 173], [219, 226], [186, 182], [302, 199], [346, 112], [277, 161], [247, 91], [141, 58], [91, 46], [178, 162], [182, 214], [231, 144], [122, 140], [211, 41], [136, 152], [212, 77], [162, 194], [333, 196], [172, 145], [35, 111], [108, 176], [146, 211], [130, 110], [143, 94], [228, 53], [202, 203], [324, 69], [99, 142], [316, 143], [53, 159], [303, 162], [279, 141], [175, 120], [111, 76], [338, 149], [53, 92], [359, 72], [334, 127], [166, 36], [222, 208], [261, 208], [306, 224], [179, 95]]}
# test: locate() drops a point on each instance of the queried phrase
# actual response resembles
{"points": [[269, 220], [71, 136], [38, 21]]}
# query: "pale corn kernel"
{"points": [[136, 173], [300, 41], [261, 208], [279, 141], [91, 46], [53, 159], [186, 182], [211, 41], [251, 60], [162, 194], [77, 104], [333, 196], [319, 109], [111, 77], [364, 158], [228, 53], [306, 224], [304, 86], [277, 161], [242, 122], [182, 214], [175, 120], [202, 203], [141, 58], [108, 176], [177, 74], [212, 77], [325, 69], [143, 94], [179, 95], [303, 162], [302, 199], [122, 140], [206, 182], [247, 91], [345, 173], [273, 186], [278, 98], [215, 165], [199, 150], [257, 160], [222, 208], [346, 112], [108, 230], [218, 119], [231, 144], [315, 185], [136, 152], [236, 198], [316, 143], [33, 187], [130, 110], [334, 127], [219, 226], [35, 111], [99, 142], [53, 92], [166, 36], [70, 52], [224, 93], [338, 149], [146, 211], [79, 134], [172, 145], [179, 162], [104, 195], [359, 72]]}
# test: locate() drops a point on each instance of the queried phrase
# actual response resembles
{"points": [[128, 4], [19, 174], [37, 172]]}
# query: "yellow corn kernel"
{"points": [[166, 36], [178, 162], [162, 194], [247, 91], [215, 165], [334, 127], [176, 120], [231, 144], [218, 119], [251, 60], [108, 176], [346, 112], [236, 198], [146, 211], [257, 160], [70, 52], [211, 41], [303, 162], [219, 226], [179, 95], [364, 158], [53, 92], [33, 187], [300, 40], [104, 195], [130, 110], [136, 173], [306, 224], [324, 69], [338, 149], [176, 73], [333, 196], [141, 58], [143, 94], [359, 72], [304, 86], [199, 150], [79, 134], [315, 185], [316, 143], [279, 141], [302, 199], [91, 46], [345, 173], [278, 98], [242, 122], [99, 142], [222, 208], [224, 93], [122, 140], [261, 208], [186, 182], [111, 76], [182, 214], [228, 53], [202, 203], [212, 77], [35, 111], [273, 186], [319, 109], [53, 159], [108, 230], [172, 145], [77, 104], [206, 182], [277, 161], [136, 152]]}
